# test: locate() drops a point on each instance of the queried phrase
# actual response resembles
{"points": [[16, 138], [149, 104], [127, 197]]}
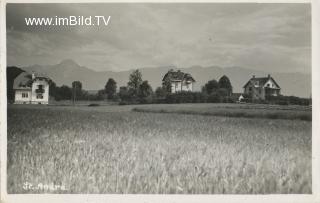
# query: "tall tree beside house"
{"points": [[145, 89], [211, 87], [53, 90], [135, 80], [111, 88], [224, 83], [166, 85]]}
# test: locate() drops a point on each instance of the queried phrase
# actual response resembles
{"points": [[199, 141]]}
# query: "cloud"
{"points": [[254, 35]]}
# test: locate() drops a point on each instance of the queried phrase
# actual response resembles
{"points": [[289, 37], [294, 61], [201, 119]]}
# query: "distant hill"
{"points": [[65, 72]]}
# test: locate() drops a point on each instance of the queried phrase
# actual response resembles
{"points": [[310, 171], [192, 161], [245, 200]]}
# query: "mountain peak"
{"points": [[68, 62]]}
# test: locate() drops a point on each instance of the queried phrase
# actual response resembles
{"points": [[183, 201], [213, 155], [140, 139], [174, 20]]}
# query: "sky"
{"points": [[265, 37]]}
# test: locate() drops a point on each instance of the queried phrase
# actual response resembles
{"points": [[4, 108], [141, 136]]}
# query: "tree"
{"points": [[166, 85], [77, 85], [124, 94], [211, 86], [100, 94], [65, 92], [161, 92], [225, 83], [135, 80], [111, 88], [76, 90], [53, 90], [145, 89]]}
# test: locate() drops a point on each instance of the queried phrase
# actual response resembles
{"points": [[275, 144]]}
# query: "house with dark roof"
{"points": [[178, 81], [31, 89], [260, 88]]}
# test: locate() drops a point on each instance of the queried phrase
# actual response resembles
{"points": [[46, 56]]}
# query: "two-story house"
{"points": [[260, 88], [178, 80], [31, 89]]}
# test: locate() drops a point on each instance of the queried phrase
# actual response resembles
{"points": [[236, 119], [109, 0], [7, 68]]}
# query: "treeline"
{"points": [[288, 100], [74, 93], [139, 91], [279, 100]]}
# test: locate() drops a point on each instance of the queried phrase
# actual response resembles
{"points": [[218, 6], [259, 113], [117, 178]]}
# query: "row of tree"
{"points": [[74, 93], [138, 90]]}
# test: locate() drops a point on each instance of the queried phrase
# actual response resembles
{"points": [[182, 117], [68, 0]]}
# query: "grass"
{"points": [[110, 149], [234, 110]]}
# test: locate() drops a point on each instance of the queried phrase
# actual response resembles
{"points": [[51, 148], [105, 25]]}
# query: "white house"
{"points": [[179, 81], [31, 89], [259, 88]]}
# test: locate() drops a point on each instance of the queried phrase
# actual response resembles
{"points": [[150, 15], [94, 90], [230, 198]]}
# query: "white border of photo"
{"points": [[48, 198]]}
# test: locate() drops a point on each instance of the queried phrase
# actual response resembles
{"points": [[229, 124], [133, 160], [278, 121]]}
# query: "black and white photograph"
{"points": [[159, 98]]}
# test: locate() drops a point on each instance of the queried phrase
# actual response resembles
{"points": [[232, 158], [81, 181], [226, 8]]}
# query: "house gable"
{"points": [[272, 83], [262, 82]]}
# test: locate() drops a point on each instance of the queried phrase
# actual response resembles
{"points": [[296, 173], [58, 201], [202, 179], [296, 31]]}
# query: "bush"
{"points": [[287, 100], [123, 103], [146, 100], [214, 98], [185, 97], [94, 104]]}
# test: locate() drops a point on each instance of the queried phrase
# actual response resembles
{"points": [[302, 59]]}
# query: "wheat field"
{"points": [[111, 149]]}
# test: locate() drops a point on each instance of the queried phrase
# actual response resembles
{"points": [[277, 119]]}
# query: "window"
{"points": [[250, 89], [40, 89], [268, 85], [24, 95], [39, 96]]}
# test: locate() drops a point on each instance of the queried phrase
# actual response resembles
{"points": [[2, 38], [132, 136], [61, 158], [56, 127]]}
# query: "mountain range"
{"points": [[67, 71]]}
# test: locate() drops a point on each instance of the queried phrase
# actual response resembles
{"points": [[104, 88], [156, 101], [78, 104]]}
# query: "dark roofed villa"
{"points": [[259, 88], [179, 81], [31, 89]]}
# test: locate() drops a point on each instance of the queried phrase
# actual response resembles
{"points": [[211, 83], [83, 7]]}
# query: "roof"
{"points": [[177, 76], [24, 80], [262, 81]]}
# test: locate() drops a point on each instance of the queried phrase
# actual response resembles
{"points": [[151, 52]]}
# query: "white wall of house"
{"points": [[22, 96], [178, 86], [40, 98], [187, 86], [175, 86]]}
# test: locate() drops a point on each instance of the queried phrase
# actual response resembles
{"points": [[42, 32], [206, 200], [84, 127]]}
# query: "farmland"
{"points": [[113, 149]]}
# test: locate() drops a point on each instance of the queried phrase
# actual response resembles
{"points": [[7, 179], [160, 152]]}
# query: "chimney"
{"points": [[269, 76], [253, 76], [33, 76]]}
